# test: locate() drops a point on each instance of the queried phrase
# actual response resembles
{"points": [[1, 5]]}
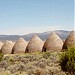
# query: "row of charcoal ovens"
{"points": [[53, 43]]}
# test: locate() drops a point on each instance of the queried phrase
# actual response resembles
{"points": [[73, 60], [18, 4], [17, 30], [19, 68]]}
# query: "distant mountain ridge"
{"points": [[61, 33]]}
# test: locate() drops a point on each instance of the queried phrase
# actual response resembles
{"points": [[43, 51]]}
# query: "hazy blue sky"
{"points": [[27, 16]]}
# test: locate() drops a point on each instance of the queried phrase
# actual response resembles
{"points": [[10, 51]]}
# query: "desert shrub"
{"points": [[16, 67], [53, 70], [42, 65], [40, 71], [1, 56], [4, 64], [11, 60], [30, 71], [5, 72], [67, 60], [46, 55]]}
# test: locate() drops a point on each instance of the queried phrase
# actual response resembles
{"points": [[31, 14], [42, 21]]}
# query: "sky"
{"points": [[35, 16]]}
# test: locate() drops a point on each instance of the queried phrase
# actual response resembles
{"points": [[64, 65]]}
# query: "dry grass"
{"points": [[39, 63]]}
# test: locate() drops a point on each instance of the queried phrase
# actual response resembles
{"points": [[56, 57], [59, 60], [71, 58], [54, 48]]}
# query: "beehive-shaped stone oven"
{"points": [[53, 43], [20, 46], [35, 44], [70, 40], [7, 47], [1, 44]]}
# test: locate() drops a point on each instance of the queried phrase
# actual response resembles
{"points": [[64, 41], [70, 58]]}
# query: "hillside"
{"points": [[62, 34]]}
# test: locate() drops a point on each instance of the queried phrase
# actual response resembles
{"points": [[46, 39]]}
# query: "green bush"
{"points": [[46, 55], [67, 60], [1, 56]]}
